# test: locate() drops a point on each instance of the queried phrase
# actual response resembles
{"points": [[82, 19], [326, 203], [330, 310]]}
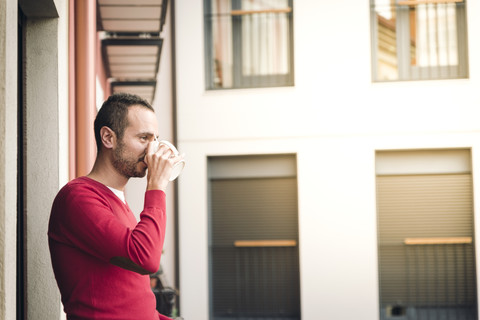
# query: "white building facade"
{"points": [[343, 125]]}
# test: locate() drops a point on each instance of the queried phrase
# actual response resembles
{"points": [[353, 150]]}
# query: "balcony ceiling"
{"points": [[131, 44]]}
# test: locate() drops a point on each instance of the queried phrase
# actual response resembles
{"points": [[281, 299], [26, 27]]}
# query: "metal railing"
{"points": [[440, 280]]}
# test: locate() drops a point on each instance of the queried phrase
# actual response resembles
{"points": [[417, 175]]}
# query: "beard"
{"points": [[128, 164]]}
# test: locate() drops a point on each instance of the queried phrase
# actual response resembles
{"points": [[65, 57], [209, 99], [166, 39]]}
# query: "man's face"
{"points": [[129, 153]]}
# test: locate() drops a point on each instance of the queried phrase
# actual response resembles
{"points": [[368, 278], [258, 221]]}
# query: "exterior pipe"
{"points": [[71, 91], [175, 139], [85, 110]]}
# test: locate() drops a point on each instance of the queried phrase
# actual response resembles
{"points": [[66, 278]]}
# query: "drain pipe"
{"points": [[174, 122], [85, 109]]}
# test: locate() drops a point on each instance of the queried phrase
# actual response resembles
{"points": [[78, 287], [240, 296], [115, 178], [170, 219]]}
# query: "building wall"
{"points": [[334, 119], [41, 167], [8, 159], [45, 149]]}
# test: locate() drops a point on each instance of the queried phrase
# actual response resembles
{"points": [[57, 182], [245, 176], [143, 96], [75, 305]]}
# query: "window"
{"points": [[253, 238], [426, 251], [418, 39], [249, 43]]}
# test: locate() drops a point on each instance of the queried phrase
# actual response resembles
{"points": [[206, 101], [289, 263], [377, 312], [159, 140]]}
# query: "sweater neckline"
{"points": [[110, 189]]}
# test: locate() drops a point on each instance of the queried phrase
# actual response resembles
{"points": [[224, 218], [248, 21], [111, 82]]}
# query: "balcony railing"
{"points": [[439, 281], [267, 279]]}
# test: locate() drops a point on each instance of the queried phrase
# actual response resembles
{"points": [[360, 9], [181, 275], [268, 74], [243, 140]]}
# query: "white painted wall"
{"points": [[63, 116], [8, 152], [42, 164], [46, 153], [334, 119], [63, 73]]}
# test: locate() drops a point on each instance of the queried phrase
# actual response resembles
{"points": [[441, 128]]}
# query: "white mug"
{"points": [[178, 166]]}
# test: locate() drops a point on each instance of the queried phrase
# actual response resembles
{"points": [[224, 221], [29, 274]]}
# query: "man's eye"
{"points": [[144, 138]]}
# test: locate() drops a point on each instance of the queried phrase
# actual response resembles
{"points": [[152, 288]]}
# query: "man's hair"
{"points": [[113, 114]]}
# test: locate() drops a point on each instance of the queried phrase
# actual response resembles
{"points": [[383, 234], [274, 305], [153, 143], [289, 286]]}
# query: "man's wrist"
{"points": [[156, 186], [154, 198]]}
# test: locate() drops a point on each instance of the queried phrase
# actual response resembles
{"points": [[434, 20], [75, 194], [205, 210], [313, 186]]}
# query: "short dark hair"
{"points": [[113, 114]]}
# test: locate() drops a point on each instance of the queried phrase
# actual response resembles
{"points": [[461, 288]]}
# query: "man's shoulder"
{"points": [[84, 183], [80, 195], [82, 186]]}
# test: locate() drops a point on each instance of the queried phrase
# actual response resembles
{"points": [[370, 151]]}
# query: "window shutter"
{"points": [[263, 280], [429, 206]]}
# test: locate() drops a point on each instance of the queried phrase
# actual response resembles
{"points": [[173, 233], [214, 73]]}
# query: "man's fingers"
{"points": [[166, 153]]}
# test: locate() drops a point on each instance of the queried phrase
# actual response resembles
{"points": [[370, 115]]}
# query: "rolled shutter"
{"points": [[254, 264], [426, 206]]}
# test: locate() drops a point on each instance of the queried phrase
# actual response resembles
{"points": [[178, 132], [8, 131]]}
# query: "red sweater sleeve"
{"points": [[146, 240], [91, 221], [162, 317]]}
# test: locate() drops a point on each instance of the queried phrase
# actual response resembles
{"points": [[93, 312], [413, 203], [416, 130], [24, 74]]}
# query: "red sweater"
{"points": [[88, 226]]}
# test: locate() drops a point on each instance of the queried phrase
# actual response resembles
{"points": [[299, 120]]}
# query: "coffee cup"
{"points": [[177, 166]]}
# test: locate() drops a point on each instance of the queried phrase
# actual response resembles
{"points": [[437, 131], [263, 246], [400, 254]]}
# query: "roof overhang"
{"points": [[131, 43]]}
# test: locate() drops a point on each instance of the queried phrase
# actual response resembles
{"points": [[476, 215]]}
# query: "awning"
{"points": [[131, 43]]}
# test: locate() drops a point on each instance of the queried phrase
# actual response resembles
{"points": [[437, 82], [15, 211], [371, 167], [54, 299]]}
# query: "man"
{"points": [[101, 256]]}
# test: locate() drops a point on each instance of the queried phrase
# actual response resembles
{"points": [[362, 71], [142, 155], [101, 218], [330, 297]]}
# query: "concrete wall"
{"points": [[46, 165], [334, 119], [8, 159], [45, 149], [42, 162], [46, 152]]}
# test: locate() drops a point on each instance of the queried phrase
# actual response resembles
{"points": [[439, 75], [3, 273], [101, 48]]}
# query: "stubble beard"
{"points": [[127, 166]]}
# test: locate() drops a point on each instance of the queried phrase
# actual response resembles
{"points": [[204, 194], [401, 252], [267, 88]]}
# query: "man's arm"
{"points": [[83, 218], [128, 264]]}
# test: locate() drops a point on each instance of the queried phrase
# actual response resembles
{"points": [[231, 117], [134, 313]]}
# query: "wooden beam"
{"points": [[246, 12], [265, 243], [449, 240], [417, 2]]}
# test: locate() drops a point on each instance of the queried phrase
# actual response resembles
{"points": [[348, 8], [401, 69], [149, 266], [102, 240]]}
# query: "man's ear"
{"points": [[108, 137]]}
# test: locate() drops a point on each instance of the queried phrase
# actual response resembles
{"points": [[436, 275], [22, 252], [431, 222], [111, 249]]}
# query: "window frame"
{"points": [[407, 72], [239, 80], [258, 168], [408, 189]]}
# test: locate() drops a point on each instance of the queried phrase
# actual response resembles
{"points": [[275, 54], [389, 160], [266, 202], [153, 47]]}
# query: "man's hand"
{"points": [[160, 164]]}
